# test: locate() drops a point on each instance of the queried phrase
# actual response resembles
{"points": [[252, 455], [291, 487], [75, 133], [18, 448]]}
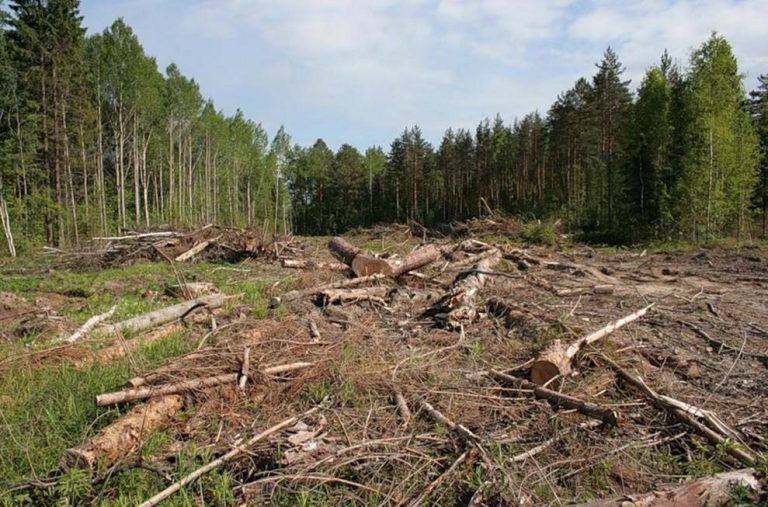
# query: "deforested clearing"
{"points": [[416, 388]]}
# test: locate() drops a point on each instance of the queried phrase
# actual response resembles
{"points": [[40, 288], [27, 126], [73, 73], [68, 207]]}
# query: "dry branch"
{"points": [[123, 435], [119, 347], [556, 360], [187, 385], [608, 416], [438, 417], [374, 294], [402, 407], [459, 305], [189, 254], [224, 459], [716, 491], [90, 324], [713, 428], [311, 264], [416, 259]]}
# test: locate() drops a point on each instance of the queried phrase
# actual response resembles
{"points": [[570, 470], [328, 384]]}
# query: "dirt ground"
{"points": [[704, 342]]}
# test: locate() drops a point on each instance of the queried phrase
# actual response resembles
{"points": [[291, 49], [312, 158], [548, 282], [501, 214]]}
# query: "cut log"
{"points": [[343, 250], [417, 259], [298, 294], [556, 359], [90, 324], [716, 491], [189, 254], [122, 436], [164, 315], [606, 415], [459, 305], [364, 265], [310, 264], [191, 290], [374, 294], [187, 385]]}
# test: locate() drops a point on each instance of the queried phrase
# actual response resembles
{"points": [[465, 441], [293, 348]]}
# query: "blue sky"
{"points": [[359, 71]]}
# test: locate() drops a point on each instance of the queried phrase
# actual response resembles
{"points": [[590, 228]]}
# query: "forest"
{"points": [[96, 139]]}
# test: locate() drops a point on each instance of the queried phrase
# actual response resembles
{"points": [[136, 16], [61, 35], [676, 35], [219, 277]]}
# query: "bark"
{"points": [[90, 324], [556, 359], [298, 294], [187, 385], [124, 435], [189, 254], [375, 294], [417, 259], [717, 491], [310, 264], [459, 305], [165, 315]]}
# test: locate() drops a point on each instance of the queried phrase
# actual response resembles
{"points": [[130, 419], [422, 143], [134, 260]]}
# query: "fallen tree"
{"points": [[364, 264], [187, 385], [555, 360], [459, 305], [164, 315], [123, 435]]}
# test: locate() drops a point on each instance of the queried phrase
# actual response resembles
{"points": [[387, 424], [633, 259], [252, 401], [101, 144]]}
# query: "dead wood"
{"points": [[416, 259], [402, 407], [555, 360], [716, 491], [459, 305], [312, 264], [241, 449], [123, 435], [298, 294], [722, 345], [343, 250], [187, 385], [419, 501], [438, 417], [608, 416], [712, 428], [164, 315], [90, 324], [364, 265], [120, 347], [199, 247], [244, 368], [373, 294]]}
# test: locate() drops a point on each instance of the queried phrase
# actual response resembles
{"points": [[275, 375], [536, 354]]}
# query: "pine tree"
{"points": [[759, 111]]}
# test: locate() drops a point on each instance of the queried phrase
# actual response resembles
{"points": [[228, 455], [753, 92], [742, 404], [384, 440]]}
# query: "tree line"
{"points": [[96, 139], [683, 158]]}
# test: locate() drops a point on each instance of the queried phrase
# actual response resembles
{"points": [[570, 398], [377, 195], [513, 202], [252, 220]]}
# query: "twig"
{"points": [[440, 479], [224, 459]]}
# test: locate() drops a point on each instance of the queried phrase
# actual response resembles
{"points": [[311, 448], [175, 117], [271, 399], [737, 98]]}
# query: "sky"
{"points": [[360, 71]]}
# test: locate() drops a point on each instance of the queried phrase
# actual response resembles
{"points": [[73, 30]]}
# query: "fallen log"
{"points": [[459, 305], [343, 250], [241, 449], [298, 294], [122, 436], [716, 491], [555, 360], [310, 264], [199, 247], [606, 415], [90, 324], [374, 294], [713, 429], [164, 315], [416, 259], [187, 385]]}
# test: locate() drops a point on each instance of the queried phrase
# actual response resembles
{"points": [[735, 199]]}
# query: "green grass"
{"points": [[47, 406]]}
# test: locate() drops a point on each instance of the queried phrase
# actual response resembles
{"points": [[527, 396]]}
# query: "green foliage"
{"points": [[544, 233]]}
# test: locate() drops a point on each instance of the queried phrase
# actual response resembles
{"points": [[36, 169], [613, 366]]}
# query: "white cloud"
{"points": [[372, 66]]}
